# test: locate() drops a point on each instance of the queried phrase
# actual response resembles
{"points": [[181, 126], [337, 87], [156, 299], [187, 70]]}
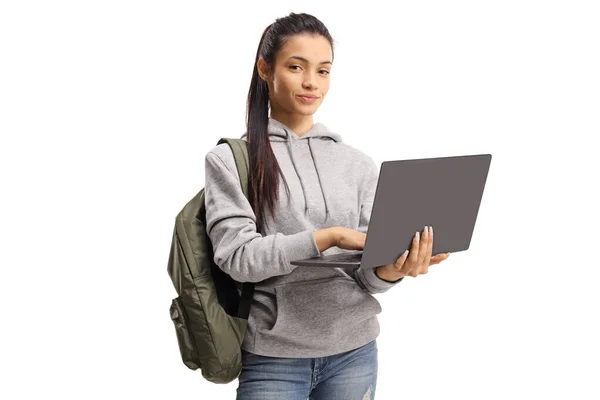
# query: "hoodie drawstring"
{"points": [[290, 148], [320, 183], [296, 169]]}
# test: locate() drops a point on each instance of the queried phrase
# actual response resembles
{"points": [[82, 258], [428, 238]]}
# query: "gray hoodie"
{"points": [[299, 312]]}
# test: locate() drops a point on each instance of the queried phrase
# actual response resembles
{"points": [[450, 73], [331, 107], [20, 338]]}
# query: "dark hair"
{"points": [[264, 168]]}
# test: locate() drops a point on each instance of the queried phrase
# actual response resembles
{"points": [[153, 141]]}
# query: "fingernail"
{"points": [[417, 236]]}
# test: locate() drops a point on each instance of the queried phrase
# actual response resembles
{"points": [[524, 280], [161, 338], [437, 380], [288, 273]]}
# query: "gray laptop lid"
{"points": [[443, 192]]}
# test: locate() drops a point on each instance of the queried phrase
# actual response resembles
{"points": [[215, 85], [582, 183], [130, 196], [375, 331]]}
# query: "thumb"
{"points": [[438, 258]]}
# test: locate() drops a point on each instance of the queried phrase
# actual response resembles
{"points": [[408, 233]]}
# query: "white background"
{"points": [[108, 108]]}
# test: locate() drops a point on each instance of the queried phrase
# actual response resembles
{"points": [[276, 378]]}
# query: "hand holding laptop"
{"points": [[411, 263]]}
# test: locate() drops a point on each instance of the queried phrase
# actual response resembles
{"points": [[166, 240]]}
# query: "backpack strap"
{"points": [[239, 147]]}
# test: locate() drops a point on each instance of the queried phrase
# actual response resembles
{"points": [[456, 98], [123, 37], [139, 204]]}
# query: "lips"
{"points": [[308, 96], [308, 100]]}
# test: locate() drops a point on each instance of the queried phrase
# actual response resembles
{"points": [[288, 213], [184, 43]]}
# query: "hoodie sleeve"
{"points": [[366, 278], [239, 250]]}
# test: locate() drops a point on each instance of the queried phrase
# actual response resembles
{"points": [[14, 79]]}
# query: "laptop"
{"points": [[442, 192]]}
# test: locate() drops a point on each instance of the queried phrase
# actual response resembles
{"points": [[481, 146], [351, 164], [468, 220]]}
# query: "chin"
{"points": [[308, 108], [307, 113]]}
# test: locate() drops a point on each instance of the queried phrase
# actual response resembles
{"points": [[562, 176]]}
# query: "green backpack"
{"points": [[211, 312]]}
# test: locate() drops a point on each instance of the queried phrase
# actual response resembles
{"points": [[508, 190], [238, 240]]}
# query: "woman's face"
{"points": [[302, 67]]}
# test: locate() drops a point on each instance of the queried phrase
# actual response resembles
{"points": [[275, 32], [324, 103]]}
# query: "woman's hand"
{"points": [[349, 239], [413, 262]]}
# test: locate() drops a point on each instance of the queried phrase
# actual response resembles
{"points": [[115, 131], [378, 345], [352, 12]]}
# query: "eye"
{"points": [[297, 66]]}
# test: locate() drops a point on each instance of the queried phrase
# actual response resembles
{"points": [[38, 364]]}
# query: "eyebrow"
{"points": [[306, 61]]}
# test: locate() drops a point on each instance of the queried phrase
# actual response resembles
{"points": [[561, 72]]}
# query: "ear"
{"points": [[263, 69]]}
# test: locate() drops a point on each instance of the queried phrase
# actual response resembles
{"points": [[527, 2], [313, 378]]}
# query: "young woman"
{"points": [[311, 331]]}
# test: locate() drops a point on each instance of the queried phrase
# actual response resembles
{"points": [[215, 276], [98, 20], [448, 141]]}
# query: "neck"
{"points": [[300, 124]]}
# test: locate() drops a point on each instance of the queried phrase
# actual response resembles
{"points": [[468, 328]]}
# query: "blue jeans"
{"points": [[345, 376]]}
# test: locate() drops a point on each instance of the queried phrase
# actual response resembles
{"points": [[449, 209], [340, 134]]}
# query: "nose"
{"points": [[310, 82]]}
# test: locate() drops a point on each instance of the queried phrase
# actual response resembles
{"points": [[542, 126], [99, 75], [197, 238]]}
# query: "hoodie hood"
{"points": [[279, 132]]}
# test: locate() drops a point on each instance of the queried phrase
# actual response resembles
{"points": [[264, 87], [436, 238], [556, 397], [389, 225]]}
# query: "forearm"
{"points": [[326, 238]]}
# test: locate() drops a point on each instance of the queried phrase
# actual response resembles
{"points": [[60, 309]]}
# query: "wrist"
{"points": [[384, 273], [326, 238], [334, 236]]}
